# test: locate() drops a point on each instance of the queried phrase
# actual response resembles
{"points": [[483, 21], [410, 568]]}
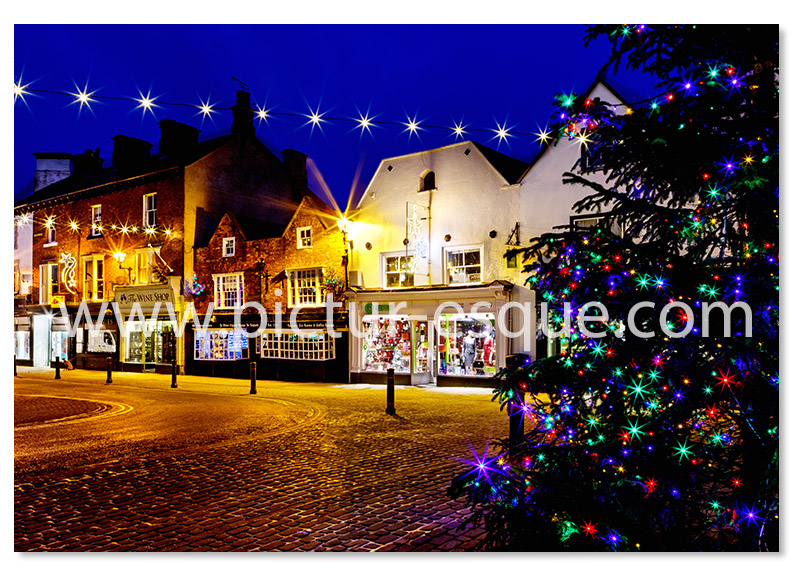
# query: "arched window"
{"points": [[428, 181]]}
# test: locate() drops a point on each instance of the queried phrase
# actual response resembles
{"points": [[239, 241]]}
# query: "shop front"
{"points": [[146, 344], [445, 336], [308, 353], [23, 352]]}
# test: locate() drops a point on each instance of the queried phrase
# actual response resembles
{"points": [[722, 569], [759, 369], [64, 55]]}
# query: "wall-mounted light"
{"points": [[447, 238], [368, 245], [493, 233], [120, 257]]}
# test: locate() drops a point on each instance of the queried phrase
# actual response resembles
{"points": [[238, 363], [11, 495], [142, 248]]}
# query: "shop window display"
{"points": [[159, 347], [60, 346], [221, 344], [386, 343], [22, 345], [293, 346], [466, 345]]}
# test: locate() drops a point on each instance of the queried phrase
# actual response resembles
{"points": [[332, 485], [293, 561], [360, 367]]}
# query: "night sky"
{"points": [[477, 76]]}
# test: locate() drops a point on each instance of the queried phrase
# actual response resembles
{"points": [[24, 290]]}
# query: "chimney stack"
{"points": [[176, 138], [51, 167], [243, 115], [129, 152], [295, 164]]}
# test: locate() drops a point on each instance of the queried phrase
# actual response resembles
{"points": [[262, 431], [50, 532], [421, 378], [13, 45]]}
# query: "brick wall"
{"points": [[121, 206], [277, 254]]}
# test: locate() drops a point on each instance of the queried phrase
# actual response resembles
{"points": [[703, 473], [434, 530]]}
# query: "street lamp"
{"points": [[120, 257]]}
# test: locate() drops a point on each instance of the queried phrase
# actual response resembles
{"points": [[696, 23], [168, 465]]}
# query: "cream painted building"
{"points": [[433, 228]]}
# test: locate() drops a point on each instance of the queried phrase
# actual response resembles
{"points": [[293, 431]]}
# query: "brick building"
{"points": [[127, 233], [286, 268]]}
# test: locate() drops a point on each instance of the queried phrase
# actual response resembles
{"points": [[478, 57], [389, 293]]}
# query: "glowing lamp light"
{"points": [[343, 224], [120, 257], [50, 222], [261, 114], [74, 226], [167, 232], [149, 230]]}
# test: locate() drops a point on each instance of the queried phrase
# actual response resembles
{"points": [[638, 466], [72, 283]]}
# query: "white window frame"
{"points": [[149, 254], [289, 345], [468, 248], [51, 234], [301, 240], [226, 252], [149, 212], [96, 223], [90, 264], [45, 282], [226, 284], [298, 280], [384, 268]]}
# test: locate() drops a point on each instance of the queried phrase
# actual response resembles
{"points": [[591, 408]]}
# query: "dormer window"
{"points": [[229, 247], [428, 181]]}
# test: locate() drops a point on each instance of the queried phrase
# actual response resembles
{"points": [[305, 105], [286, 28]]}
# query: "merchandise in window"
{"points": [[60, 346], [22, 345], [293, 346], [399, 271], [466, 345], [386, 343], [464, 266], [159, 347], [229, 290], [221, 344]]}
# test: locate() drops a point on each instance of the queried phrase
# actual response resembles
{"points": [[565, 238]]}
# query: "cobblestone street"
{"points": [[136, 465]]}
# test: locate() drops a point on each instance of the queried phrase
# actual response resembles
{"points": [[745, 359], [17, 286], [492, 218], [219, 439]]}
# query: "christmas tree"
{"points": [[663, 442]]}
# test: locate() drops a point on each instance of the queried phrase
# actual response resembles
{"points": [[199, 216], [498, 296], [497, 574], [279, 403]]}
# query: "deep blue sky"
{"points": [[477, 75]]}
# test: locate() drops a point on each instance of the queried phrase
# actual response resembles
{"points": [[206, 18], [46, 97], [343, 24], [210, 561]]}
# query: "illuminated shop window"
{"points": [[292, 346], [466, 345], [221, 344]]}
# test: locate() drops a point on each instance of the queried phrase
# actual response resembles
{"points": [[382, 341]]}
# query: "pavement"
{"points": [[139, 466]]}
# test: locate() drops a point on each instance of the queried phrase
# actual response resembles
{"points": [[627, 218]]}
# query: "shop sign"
{"points": [[144, 295], [380, 308]]}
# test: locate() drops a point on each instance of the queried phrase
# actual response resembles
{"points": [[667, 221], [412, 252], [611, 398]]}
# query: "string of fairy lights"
{"points": [[313, 118]]}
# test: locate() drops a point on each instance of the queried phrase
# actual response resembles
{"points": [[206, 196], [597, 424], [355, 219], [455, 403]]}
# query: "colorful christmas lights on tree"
{"points": [[668, 442]]}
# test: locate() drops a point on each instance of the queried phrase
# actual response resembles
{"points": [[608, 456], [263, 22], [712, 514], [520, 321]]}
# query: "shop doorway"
{"points": [[41, 341], [422, 337]]}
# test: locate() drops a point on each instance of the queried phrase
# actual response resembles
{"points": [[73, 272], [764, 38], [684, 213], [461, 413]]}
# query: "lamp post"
{"points": [[343, 225]]}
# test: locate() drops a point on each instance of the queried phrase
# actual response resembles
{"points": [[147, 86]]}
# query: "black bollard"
{"points": [[389, 407], [173, 374], [253, 378], [57, 367], [109, 370], [516, 419], [15, 365]]}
